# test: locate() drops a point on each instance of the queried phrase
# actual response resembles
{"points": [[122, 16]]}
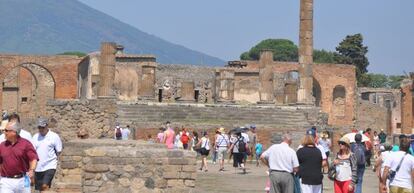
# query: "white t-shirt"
{"points": [[384, 156], [205, 142], [47, 148], [281, 157], [222, 140], [23, 133], [125, 133], [320, 147], [403, 176], [246, 136]]}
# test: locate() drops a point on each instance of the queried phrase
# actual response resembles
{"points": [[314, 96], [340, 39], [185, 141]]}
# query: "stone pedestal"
{"points": [[187, 92]]}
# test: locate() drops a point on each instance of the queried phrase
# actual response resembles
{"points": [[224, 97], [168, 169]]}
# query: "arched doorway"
{"points": [[26, 90]]}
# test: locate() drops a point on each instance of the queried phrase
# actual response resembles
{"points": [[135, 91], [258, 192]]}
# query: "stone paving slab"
{"points": [[254, 181]]}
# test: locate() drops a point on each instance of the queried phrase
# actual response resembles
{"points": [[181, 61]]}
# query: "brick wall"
{"points": [[407, 115], [372, 116]]}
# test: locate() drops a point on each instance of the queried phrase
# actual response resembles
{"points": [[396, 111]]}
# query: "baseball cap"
{"points": [[311, 132], [42, 122]]}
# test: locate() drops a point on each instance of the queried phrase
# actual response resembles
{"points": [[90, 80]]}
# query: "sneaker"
{"points": [[244, 171]]}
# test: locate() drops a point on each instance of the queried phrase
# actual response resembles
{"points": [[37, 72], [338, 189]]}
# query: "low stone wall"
{"points": [[95, 165], [95, 118]]}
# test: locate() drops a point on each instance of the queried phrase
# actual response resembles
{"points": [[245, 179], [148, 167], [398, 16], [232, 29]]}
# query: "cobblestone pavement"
{"points": [[254, 181]]}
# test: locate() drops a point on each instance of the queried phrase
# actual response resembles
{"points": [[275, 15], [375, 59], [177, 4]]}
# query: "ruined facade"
{"points": [[407, 115], [379, 108]]}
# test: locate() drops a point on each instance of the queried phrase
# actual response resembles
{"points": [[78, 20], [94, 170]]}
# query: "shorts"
{"points": [[204, 151], [238, 159], [221, 153], [45, 177]]}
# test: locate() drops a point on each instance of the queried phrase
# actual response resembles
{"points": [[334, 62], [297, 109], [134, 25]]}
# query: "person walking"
{"points": [[358, 149], [399, 169], [346, 168], [252, 141], [204, 143], [259, 151], [282, 162], [222, 142], [14, 117], [18, 158], [239, 147], [310, 166], [169, 136], [368, 147], [184, 138], [125, 133], [48, 147], [379, 164], [160, 135], [382, 136], [194, 142], [215, 150]]}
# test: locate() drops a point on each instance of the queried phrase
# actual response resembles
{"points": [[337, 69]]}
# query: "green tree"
{"points": [[283, 50], [352, 51], [74, 53], [394, 81], [323, 56], [376, 80]]}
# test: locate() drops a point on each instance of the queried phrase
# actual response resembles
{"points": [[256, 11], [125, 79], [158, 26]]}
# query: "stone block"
{"points": [[69, 165], [72, 179], [88, 176], [189, 183], [95, 152], [189, 168], [175, 183], [171, 175], [124, 182], [175, 154], [90, 189], [178, 161], [101, 160], [97, 168], [186, 175], [172, 168], [128, 168]]}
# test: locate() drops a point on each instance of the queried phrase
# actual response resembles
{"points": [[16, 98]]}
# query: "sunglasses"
{"points": [[7, 130], [342, 143]]}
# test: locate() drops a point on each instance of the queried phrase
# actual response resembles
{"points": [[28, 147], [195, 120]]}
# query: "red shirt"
{"points": [[15, 158]]}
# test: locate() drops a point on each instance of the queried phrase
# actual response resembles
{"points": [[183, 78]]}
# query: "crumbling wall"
{"points": [[110, 166], [96, 117], [372, 116]]}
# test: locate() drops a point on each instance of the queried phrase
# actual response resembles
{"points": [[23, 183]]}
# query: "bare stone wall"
{"points": [[124, 166], [96, 117], [372, 116]]}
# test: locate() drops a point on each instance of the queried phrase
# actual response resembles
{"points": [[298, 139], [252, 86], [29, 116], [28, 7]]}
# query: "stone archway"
{"points": [[26, 89]]}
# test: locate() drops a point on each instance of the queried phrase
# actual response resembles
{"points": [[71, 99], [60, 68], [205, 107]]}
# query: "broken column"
{"points": [[306, 53], [226, 86], [107, 70], [266, 77], [147, 83]]}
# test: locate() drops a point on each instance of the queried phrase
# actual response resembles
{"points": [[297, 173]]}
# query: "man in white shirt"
{"points": [[404, 163], [282, 162], [48, 147], [125, 133]]}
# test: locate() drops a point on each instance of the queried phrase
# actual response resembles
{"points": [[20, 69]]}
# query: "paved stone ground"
{"points": [[254, 181]]}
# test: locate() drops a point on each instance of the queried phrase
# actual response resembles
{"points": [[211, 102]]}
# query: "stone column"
{"points": [[306, 53], [226, 86], [107, 70], [266, 77], [187, 92], [279, 87]]}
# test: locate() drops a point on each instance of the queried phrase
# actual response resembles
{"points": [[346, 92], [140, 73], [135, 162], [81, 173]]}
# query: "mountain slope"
{"points": [[56, 26]]}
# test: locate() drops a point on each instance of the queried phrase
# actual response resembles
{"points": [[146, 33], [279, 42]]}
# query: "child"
{"points": [[259, 149]]}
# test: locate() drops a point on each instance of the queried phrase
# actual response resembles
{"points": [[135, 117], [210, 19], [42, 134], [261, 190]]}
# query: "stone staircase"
{"points": [[194, 115]]}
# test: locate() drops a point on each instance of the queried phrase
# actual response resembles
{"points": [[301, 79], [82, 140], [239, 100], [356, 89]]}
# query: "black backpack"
{"points": [[242, 145]]}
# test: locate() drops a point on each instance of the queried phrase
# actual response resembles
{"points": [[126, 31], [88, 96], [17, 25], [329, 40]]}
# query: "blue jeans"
{"points": [[360, 174]]}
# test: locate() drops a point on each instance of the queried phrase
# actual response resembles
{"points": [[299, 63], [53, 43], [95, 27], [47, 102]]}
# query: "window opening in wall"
{"points": [[399, 125], [196, 95], [365, 96], [24, 99], [160, 95], [388, 104]]}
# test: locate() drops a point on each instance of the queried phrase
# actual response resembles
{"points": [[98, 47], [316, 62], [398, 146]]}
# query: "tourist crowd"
{"points": [[27, 160], [303, 169]]}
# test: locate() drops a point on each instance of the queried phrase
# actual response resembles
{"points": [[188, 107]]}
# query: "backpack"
{"points": [[184, 138], [359, 152], [242, 145], [118, 133]]}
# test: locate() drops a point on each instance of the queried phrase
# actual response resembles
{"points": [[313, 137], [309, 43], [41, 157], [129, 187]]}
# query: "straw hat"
{"points": [[3, 124], [222, 130], [345, 140]]}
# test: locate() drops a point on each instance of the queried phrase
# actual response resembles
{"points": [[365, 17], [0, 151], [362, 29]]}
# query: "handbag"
{"points": [[392, 173], [332, 172]]}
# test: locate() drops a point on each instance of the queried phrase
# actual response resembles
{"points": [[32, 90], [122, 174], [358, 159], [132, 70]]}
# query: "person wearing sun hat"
{"points": [[221, 144], [346, 168]]}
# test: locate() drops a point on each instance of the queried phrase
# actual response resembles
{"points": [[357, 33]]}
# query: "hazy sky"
{"points": [[226, 28]]}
